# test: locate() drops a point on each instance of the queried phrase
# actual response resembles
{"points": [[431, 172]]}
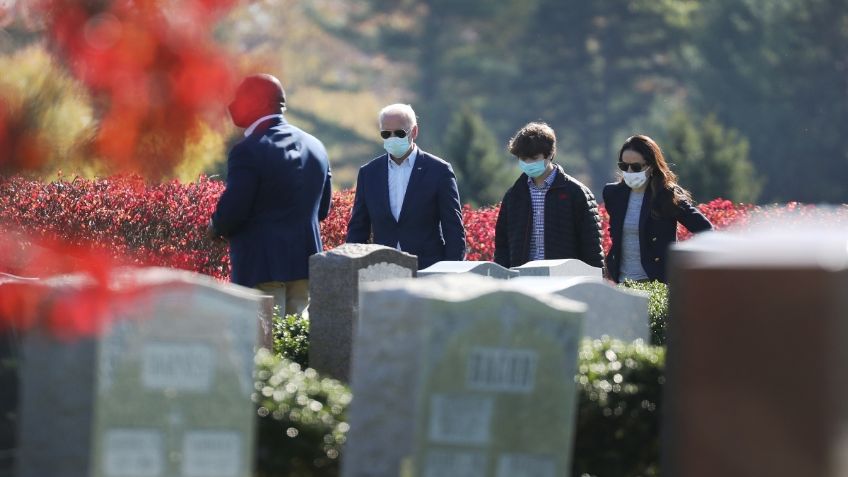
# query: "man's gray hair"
{"points": [[399, 109]]}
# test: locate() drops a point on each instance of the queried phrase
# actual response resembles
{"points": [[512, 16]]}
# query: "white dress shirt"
{"points": [[252, 127], [399, 175]]}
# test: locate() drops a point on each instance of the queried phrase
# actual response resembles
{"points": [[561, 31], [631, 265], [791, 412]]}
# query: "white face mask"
{"points": [[635, 180], [397, 146]]}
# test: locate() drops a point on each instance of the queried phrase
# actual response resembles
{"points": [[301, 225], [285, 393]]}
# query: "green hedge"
{"points": [[657, 307], [302, 416], [291, 337], [301, 424], [618, 410]]}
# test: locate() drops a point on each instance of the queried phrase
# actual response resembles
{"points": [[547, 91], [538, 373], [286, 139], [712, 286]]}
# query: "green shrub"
{"points": [[291, 337], [657, 307], [620, 387], [301, 424]]}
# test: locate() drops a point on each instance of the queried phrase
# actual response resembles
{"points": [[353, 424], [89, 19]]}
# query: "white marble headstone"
{"points": [[613, 311], [569, 267], [487, 269]]}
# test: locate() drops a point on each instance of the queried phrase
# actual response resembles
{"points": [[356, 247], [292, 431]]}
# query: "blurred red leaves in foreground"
{"points": [[153, 73], [151, 67]]}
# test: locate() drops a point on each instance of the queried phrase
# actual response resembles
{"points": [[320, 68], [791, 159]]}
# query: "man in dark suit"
{"points": [[278, 189], [407, 198]]}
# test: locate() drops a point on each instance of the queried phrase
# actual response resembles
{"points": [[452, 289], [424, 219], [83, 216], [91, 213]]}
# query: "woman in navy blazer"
{"points": [[644, 208]]}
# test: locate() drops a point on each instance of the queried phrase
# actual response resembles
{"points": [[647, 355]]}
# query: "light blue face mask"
{"points": [[397, 146], [533, 169]]}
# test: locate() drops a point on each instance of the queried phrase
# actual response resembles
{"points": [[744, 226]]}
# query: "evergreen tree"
{"points": [[776, 71], [483, 173], [593, 68], [710, 160]]}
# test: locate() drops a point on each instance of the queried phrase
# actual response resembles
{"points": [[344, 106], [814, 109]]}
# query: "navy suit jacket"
{"points": [[430, 221], [278, 188], [656, 233]]}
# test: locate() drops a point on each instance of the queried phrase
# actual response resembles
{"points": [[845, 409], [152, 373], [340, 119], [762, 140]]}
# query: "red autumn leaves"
{"points": [[151, 67]]}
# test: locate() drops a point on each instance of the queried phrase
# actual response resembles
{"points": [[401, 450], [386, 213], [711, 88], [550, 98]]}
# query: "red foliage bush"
{"points": [[135, 222], [480, 231], [334, 227]]}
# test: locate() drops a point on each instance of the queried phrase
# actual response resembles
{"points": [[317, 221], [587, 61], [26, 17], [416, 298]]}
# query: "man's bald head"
{"points": [[257, 96]]}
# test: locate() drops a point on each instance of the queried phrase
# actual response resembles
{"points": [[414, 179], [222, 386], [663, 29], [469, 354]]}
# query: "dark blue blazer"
{"points": [[278, 188], [657, 230], [430, 221]]}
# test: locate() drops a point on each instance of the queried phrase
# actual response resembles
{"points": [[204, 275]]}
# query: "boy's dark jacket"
{"points": [[572, 223]]}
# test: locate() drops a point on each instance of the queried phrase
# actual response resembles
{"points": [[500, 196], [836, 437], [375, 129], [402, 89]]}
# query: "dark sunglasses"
{"points": [[397, 132], [633, 167]]}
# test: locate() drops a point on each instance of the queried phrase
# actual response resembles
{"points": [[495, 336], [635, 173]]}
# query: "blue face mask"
{"points": [[397, 146], [533, 169]]}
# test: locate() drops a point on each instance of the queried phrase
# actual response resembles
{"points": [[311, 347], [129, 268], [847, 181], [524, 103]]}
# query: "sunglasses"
{"points": [[397, 132], [634, 167]]}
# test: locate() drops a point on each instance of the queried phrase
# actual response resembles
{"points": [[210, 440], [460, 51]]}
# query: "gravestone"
{"points": [[757, 362], [569, 267], [9, 363], [164, 389], [462, 375], [613, 311], [486, 269], [334, 280]]}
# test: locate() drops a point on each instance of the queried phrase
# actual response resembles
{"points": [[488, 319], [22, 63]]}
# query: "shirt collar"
{"points": [[252, 127], [548, 180], [408, 162]]}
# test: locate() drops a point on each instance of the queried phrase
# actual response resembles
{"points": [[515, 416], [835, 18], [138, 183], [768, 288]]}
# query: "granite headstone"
{"points": [[462, 375], [334, 279], [162, 389], [9, 366], [757, 362]]}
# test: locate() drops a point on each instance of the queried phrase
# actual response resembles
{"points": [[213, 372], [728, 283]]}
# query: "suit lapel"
{"points": [[622, 196], [382, 178], [418, 172]]}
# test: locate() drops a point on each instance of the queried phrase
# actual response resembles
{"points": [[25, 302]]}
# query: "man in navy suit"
{"points": [[408, 199], [278, 189]]}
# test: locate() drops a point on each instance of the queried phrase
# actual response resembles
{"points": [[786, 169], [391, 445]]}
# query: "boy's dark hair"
{"points": [[533, 139]]}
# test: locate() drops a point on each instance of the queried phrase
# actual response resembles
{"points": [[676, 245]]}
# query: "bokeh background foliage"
{"points": [[749, 97]]}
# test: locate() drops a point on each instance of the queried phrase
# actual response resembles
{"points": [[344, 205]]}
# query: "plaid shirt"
{"points": [[537, 198]]}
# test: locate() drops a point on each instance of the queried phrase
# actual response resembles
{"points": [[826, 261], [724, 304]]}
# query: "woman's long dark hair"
{"points": [[662, 178]]}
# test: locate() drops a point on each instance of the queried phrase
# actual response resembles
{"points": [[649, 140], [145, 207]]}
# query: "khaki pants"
{"points": [[292, 297]]}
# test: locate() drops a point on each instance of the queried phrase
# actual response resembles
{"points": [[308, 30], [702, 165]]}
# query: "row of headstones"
{"points": [[755, 376], [336, 276], [466, 377], [466, 371], [164, 388]]}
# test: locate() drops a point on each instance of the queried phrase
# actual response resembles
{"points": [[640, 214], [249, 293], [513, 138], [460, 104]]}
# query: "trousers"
{"points": [[292, 297]]}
